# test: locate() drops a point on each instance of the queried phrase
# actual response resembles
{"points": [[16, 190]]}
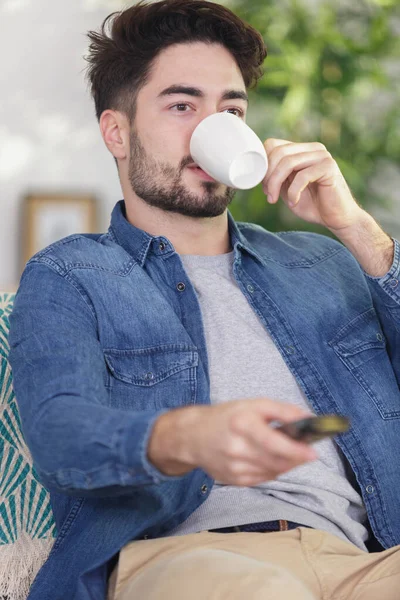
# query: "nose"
{"points": [[201, 115], [206, 112]]}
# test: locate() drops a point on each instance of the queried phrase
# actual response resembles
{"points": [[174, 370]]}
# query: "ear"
{"points": [[114, 129]]}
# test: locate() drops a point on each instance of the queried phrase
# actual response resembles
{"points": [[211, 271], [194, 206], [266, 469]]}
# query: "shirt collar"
{"points": [[138, 243]]}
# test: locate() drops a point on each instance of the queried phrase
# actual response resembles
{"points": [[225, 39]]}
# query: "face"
{"points": [[188, 83]]}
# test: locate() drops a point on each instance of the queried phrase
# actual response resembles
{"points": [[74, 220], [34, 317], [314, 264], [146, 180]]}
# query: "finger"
{"points": [[285, 167], [275, 410], [271, 143], [276, 152], [251, 477], [253, 433], [278, 446], [283, 446], [263, 470], [322, 172], [253, 471], [269, 463]]}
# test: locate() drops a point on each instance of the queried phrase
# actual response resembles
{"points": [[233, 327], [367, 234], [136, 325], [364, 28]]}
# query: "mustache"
{"points": [[185, 162]]}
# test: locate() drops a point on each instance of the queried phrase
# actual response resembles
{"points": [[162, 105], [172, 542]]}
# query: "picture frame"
{"points": [[51, 217]]}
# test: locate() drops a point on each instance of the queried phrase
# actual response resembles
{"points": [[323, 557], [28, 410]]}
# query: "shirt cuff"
{"points": [[390, 282], [133, 444]]}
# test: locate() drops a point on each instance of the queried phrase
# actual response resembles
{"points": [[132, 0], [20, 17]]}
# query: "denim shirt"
{"points": [[107, 335]]}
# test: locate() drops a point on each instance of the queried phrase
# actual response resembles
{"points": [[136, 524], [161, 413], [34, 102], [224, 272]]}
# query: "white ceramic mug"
{"points": [[229, 151]]}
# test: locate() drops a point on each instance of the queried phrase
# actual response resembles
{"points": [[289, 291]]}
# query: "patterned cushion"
{"points": [[27, 528]]}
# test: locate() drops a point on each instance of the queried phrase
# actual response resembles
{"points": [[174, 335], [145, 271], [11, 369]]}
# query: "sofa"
{"points": [[27, 527]]}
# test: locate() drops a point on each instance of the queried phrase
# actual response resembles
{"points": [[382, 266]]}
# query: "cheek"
{"points": [[167, 143], [165, 137]]}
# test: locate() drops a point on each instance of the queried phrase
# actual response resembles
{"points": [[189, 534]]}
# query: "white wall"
{"points": [[49, 136]]}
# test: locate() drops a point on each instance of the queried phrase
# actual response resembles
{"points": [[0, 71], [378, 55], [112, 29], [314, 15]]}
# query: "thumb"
{"points": [[272, 410]]}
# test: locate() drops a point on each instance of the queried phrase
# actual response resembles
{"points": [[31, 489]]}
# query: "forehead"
{"points": [[210, 66]]}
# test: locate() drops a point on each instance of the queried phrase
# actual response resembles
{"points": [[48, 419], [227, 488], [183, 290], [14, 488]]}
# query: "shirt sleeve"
{"points": [[387, 287], [80, 445], [385, 293]]}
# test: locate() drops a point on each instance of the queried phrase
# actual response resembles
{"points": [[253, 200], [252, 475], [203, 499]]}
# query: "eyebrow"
{"points": [[198, 93]]}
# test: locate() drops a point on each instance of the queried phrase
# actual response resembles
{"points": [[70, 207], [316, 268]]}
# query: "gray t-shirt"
{"points": [[245, 363]]}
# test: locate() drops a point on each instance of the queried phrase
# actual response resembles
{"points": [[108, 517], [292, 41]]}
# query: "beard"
{"points": [[159, 184]]}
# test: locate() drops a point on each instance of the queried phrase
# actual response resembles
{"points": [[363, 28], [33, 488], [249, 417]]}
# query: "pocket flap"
{"points": [[148, 366], [361, 335]]}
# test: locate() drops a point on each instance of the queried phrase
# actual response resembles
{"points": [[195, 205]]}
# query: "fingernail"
{"points": [[270, 198]]}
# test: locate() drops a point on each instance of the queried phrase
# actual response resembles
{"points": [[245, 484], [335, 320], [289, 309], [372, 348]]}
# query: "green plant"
{"points": [[332, 75]]}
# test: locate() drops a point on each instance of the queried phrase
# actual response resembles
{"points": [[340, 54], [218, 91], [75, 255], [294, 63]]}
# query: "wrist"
{"points": [[169, 448], [369, 244]]}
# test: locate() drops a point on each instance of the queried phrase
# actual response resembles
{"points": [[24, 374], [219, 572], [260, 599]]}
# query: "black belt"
{"points": [[262, 527]]}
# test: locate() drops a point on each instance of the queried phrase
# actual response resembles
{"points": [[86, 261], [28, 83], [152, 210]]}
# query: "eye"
{"points": [[181, 107], [237, 111]]}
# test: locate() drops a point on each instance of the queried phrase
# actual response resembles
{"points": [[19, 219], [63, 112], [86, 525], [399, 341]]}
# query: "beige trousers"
{"points": [[301, 564]]}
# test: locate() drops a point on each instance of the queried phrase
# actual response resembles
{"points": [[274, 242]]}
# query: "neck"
{"points": [[188, 235]]}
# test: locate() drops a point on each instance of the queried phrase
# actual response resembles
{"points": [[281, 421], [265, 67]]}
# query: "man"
{"points": [[149, 362]]}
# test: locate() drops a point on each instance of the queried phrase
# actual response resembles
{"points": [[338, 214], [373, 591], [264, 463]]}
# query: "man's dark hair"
{"points": [[119, 64]]}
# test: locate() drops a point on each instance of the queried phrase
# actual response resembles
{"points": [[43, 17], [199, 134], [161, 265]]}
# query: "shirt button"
{"points": [[149, 376], [370, 489], [181, 287], [162, 246], [290, 349], [379, 337], [250, 289], [204, 489], [394, 283], [146, 536]]}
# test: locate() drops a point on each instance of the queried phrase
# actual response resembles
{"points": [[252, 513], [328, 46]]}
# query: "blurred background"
{"points": [[332, 75]]}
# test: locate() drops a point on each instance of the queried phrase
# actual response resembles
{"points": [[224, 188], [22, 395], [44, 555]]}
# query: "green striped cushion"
{"points": [[27, 528]]}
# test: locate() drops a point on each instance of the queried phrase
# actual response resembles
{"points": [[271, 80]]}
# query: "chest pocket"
{"points": [[152, 378], [361, 346]]}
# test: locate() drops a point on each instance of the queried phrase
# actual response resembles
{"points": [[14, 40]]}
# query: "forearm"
{"points": [[369, 244], [87, 456]]}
